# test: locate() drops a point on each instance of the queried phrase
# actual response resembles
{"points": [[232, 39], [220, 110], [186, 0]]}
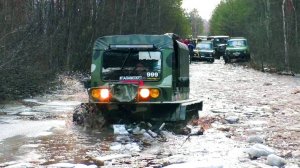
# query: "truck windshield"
{"points": [[204, 46], [218, 41], [236, 43], [131, 64]]}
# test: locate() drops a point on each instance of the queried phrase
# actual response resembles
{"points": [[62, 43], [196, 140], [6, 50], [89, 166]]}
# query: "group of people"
{"points": [[191, 44]]}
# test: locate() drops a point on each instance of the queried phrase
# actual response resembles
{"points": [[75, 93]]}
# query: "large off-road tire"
{"points": [[88, 116]]}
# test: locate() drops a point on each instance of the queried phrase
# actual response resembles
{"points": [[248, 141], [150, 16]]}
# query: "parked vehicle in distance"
{"points": [[204, 51], [201, 38], [237, 48], [219, 43]]}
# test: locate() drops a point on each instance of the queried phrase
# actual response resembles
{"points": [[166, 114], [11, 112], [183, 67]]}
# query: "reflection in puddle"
{"points": [[69, 145], [9, 148], [72, 146]]}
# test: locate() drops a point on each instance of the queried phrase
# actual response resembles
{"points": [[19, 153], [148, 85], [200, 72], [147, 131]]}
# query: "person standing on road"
{"points": [[191, 47]]}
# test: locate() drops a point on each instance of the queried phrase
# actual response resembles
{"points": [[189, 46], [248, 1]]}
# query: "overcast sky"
{"points": [[204, 7]]}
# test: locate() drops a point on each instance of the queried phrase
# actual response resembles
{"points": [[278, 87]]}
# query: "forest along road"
{"points": [[250, 119]]}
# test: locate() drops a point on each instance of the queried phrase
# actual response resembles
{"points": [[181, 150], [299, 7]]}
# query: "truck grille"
{"points": [[124, 92]]}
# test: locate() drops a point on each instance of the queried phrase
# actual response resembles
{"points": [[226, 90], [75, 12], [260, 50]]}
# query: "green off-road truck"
{"points": [[204, 51], [219, 43], [237, 48], [140, 77]]}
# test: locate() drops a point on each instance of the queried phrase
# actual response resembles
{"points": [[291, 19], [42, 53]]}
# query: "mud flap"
{"points": [[179, 114], [186, 111]]}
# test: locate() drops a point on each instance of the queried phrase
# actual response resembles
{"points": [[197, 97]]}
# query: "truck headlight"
{"points": [[95, 93], [147, 93], [100, 94], [144, 93], [104, 93], [154, 93]]}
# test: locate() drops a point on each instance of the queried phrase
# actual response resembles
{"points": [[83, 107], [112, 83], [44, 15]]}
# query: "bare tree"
{"points": [[296, 26], [286, 56], [137, 6], [122, 16]]}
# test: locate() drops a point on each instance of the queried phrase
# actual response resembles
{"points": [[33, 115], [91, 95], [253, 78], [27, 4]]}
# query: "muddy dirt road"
{"points": [[251, 119]]}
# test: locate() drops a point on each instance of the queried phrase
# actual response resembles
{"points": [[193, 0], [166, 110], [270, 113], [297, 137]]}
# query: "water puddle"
{"points": [[10, 148]]}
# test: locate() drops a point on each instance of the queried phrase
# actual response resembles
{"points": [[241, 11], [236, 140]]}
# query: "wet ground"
{"points": [[243, 108]]}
